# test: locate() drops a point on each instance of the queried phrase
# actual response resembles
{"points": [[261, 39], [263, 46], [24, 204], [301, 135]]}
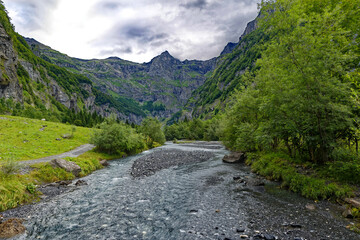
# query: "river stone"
{"points": [[66, 165], [81, 183], [310, 207], [348, 214], [66, 136], [11, 228], [234, 157], [353, 202], [104, 163]]}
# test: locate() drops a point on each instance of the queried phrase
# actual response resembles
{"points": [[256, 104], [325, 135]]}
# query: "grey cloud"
{"points": [[195, 4], [106, 6], [142, 34], [117, 51]]}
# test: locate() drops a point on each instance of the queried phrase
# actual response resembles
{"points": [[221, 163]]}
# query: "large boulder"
{"points": [[66, 165], [235, 157], [11, 228]]}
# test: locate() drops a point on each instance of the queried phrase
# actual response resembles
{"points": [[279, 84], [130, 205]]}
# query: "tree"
{"points": [[151, 127], [300, 97]]}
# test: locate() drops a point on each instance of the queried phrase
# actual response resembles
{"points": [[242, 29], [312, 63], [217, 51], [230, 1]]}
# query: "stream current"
{"points": [[194, 201]]}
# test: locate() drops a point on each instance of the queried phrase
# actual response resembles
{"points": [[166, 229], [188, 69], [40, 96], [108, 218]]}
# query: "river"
{"points": [[195, 201]]}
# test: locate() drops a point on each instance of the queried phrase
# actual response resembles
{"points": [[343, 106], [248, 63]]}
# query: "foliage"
{"points": [[151, 127], [300, 98], [153, 107], [277, 166], [117, 138], [196, 129], [31, 188]]}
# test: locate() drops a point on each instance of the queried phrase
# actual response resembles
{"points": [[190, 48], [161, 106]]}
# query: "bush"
{"points": [[151, 127], [117, 138]]}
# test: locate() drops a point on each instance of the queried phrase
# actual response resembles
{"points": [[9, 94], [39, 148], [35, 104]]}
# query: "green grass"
{"points": [[279, 166], [21, 138]]}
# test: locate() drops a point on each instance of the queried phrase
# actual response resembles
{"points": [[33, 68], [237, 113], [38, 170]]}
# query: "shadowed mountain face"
{"points": [[160, 87]]}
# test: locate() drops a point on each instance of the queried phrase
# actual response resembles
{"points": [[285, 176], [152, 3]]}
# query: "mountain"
{"points": [[33, 87], [159, 88], [234, 61]]}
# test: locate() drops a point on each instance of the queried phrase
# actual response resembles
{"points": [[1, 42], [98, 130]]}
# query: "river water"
{"points": [[195, 201]]}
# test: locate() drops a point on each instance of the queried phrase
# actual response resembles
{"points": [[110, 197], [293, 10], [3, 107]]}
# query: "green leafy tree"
{"points": [[151, 127], [300, 97]]}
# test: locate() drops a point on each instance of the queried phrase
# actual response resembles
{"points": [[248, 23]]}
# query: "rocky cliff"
{"points": [[9, 83]]}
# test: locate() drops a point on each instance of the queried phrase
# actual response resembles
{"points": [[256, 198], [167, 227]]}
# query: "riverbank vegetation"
{"points": [[209, 130], [303, 100]]}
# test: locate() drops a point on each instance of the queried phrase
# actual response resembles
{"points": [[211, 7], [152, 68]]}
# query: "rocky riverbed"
{"points": [[182, 192], [162, 159]]}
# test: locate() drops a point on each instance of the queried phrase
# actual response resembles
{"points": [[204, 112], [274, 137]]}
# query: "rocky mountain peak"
{"points": [[165, 57], [250, 27]]}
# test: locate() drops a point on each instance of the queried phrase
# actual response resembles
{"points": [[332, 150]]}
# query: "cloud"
{"points": [[135, 30], [117, 51], [195, 4], [32, 14]]}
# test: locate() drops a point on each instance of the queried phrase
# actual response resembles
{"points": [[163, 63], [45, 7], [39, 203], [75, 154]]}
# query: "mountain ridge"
{"points": [[165, 81]]}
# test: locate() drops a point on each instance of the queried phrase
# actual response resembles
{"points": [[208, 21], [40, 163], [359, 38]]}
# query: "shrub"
{"points": [[151, 127], [117, 138]]}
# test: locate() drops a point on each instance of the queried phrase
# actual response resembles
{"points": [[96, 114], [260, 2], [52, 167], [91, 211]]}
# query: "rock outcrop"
{"points": [[66, 165], [9, 83], [234, 157], [11, 228]]}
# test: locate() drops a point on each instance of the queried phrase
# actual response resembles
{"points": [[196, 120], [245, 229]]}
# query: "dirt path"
{"points": [[73, 153]]}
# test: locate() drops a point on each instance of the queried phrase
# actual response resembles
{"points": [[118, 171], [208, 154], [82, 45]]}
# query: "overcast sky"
{"points": [[135, 30]]}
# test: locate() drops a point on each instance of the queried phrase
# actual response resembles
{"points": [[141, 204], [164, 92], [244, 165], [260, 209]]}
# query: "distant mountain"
{"points": [[159, 88]]}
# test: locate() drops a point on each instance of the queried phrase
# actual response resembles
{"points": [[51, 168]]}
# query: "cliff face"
{"points": [[164, 81], [9, 83]]}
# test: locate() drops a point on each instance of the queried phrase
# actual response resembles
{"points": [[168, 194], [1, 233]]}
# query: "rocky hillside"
{"points": [[160, 87], [235, 59], [41, 87]]}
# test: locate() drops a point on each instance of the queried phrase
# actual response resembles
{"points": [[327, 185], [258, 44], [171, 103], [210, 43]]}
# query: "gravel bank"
{"points": [[162, 159]]}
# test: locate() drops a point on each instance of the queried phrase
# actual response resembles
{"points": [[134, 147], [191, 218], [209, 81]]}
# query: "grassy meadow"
{"points": [[26, 139]]}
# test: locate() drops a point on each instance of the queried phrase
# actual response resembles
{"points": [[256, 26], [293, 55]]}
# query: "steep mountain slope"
{"points": [[161, 86], [211, 97], [32, 86]]}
